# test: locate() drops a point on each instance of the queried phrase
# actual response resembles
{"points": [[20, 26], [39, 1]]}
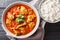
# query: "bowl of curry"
{"points": [[20, 20]]}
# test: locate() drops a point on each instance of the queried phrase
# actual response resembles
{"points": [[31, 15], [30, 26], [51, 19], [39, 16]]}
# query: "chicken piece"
{"points": [[18, 9], [31, 25], [23, 24], [23, 10], [10, 16], [17, 33], [30, 18], [22, 30], [8, 21]]}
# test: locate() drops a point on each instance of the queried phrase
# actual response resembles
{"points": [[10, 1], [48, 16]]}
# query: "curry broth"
{"points": [[30, 19]]}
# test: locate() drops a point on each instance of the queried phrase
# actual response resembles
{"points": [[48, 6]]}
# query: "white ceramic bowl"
{"points": [[27, 35]]}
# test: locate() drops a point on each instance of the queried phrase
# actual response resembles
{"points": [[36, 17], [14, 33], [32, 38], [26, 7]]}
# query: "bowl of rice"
{"points": [[50, 10]]}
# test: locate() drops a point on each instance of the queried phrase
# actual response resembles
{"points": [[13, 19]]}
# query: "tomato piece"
{"points": [[27, 29]]}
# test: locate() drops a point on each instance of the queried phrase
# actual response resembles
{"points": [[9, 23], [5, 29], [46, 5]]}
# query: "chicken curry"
{"points": [[20, 19]]}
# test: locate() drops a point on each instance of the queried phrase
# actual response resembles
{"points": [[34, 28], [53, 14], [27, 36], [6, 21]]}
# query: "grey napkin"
{"points": [[4, 3]]}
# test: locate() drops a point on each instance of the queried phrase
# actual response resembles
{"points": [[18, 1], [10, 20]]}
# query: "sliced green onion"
{"points": [[21, 16]]}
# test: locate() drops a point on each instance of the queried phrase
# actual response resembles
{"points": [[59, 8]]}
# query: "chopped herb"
{"points": [[21, 16], [20, 19]]}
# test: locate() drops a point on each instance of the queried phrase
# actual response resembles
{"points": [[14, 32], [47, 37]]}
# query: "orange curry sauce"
{"points": [[20, 19]]}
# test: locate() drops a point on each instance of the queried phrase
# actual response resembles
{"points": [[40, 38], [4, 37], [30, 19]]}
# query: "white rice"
{"points": [[50, 10]]}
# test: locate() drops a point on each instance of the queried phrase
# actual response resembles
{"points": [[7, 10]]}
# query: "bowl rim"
{"points": [[27, 35]]}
